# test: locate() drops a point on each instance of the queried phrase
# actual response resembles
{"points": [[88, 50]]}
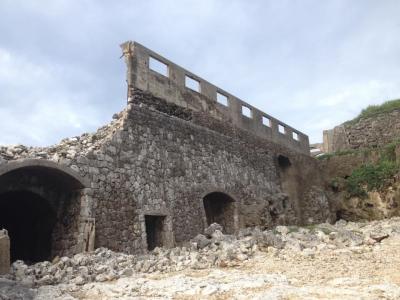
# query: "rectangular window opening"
{"points": [[281, 129], [158, 66], [192, 84], [246, 111], [295, 136], [266, 121], [222, 99]]}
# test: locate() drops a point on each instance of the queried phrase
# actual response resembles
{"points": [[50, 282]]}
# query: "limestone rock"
{"points": [[212, 228]]}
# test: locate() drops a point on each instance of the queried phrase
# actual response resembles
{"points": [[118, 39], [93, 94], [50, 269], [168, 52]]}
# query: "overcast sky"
{"points": [[310, 63]]}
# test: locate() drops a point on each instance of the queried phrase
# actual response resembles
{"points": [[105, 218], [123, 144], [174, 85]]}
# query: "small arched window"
{"points": [[284, 162]]}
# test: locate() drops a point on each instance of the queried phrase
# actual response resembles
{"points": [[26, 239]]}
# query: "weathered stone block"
{"points": [[4, 252]]}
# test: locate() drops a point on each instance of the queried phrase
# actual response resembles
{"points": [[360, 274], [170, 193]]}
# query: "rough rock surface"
{"points": [[373, 131], [342, 261], [377, 204], [157, 158]]}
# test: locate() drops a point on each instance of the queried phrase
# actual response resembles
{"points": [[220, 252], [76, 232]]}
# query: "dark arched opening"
{"points": [[29, 220], [291, 184], [284, 162], [40, 208], [220, 208]]}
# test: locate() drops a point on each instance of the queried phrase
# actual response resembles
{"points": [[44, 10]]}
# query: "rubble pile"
{"points": [[68, 148], [213, 248]]}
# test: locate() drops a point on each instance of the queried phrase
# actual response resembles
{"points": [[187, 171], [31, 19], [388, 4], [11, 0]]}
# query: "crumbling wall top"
{"points": [[149, 71]]}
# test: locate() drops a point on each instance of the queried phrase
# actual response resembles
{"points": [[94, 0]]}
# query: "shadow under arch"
{"points": [[41, 207], [221, 208], [80, 181]]}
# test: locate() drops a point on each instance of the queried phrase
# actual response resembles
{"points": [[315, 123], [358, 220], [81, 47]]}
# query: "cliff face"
{"points": [[377, 205], [364, 184], [362, 164], [373, 131]]}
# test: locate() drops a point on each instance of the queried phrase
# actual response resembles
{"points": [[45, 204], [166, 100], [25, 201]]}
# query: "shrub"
{"points": [[370, 177], [389, 151]]}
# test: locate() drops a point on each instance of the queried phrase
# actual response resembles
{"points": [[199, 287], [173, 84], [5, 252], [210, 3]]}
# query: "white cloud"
{"points": [[36, 104], [313, 64]]}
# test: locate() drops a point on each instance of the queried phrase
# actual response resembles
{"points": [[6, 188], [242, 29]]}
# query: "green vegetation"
{"points": [[373, 110], [373, 176], [370, 177]]}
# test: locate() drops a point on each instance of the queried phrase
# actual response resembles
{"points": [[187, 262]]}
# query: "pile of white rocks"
{"points": [[213, 248], [67, 148]]}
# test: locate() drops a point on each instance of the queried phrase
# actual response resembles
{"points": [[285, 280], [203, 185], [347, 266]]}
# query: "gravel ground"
{"points": [[345, 261]]}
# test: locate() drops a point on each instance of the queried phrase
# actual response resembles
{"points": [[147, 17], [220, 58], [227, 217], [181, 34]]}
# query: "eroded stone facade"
{"points": [[371, 132], [161, 159]]}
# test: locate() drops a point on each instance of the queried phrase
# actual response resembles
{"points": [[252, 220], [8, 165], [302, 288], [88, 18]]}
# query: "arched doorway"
{"points": [[29, 220], [40, 206], [220, 208]]}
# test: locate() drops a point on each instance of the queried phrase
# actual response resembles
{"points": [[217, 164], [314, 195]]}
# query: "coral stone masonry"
{"points": [[171, 163], [4, 252]]}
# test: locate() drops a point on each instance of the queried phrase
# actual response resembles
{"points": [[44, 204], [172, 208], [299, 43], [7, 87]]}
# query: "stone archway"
{"points": [[29, 220], [46, 208], [220, 208]]}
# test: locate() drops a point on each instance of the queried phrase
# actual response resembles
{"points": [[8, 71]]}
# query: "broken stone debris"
{"points": [[213, 249]]}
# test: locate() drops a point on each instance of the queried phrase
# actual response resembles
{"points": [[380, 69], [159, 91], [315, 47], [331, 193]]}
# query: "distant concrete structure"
{"points": [[4, 252], [183, 154], [316, 149]]}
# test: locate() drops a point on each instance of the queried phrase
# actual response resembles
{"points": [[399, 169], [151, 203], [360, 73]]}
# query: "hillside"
{"points": [[363, 176], [374, 110], [374, 127]]}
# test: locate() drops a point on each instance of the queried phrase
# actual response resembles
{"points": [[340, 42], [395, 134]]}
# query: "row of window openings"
{"points": [[194, 85], [191, 83]]}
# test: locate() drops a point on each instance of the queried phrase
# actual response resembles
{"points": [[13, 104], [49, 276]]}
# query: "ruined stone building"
{"points": [[182, 154]]}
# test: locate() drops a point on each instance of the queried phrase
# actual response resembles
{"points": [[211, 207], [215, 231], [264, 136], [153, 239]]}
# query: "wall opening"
{"points": [[281, 129], [290, 183], [295, 136], [29, 220], [158, 66], [222, 99], [266, 121], [154, 231], [284, 162], [246, 111], [192, 84], [40, 207], [220, 208]]}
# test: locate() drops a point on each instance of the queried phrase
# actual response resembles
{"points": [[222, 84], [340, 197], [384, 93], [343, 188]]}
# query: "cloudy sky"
{"points": [[311, 63]]}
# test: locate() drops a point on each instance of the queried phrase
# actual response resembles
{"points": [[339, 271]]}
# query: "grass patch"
{"points": [[389, 151], [370, 177], [373, 110]]}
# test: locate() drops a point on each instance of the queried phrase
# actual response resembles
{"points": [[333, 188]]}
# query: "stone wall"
{"points": [[367, 132], [164, 159], [157, 158], [170, 82], [160, 158]]}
